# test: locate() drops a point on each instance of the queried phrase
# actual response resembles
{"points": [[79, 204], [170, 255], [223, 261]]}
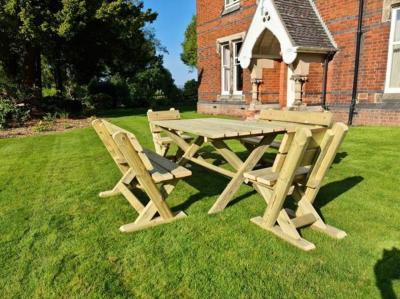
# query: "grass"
{"points": [[59, 239]]}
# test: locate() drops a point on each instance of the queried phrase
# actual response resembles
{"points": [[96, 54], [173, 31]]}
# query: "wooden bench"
{"points": [[141, 169], [322, 119], [299, 168], [162, 143]]}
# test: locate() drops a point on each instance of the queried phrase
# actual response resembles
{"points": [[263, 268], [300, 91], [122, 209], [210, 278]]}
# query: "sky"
{"points": [[173, 18]]}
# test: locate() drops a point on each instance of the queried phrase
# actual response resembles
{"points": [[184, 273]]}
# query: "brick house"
{"points": [[343, 55]]}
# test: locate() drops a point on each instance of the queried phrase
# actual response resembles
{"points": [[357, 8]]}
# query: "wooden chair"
{"points": [[163, 143], [141, 169], [298, 170], [322, 119]]}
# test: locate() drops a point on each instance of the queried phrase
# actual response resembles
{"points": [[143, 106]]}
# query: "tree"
{"points": [[78, 39], [190, 90], [189, 45], [148, 86]]}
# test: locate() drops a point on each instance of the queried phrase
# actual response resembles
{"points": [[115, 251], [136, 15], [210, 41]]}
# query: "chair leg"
{"points": [[110, 193], [279, 232], [305, 200], [127, 178], [282, 226], [147, 216]]}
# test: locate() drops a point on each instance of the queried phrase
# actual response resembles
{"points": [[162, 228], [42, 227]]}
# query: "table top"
{"points": [[217, 128]]}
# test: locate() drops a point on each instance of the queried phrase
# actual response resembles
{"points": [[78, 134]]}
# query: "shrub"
{"points": [[190, 90], [108, 94], [58, 104], [12, 114], [43, 126]]}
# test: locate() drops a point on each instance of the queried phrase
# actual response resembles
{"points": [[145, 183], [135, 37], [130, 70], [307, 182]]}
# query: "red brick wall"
{"points": [[341, 17], [212, 26]]}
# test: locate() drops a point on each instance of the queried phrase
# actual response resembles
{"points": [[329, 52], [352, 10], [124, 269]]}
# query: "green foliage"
{"points": [[154, 85], [12, 114], [57, 104], [190, 90], [73, 41], [43, 126], [189, 45]]}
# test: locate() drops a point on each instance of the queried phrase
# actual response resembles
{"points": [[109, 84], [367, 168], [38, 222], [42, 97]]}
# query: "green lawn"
{"points": [[59, 239]]}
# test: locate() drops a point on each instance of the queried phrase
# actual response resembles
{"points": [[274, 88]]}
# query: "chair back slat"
{"points": [[324, 119], [329, 149], [106, 130], [106, 137], [171, 114]]}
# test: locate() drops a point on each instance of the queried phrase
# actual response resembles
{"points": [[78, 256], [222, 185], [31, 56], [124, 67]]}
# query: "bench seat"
{"points": [[164, 169], [269, 178]]}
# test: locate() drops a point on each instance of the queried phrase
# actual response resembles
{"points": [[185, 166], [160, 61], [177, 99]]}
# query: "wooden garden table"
{"points": [[215, 131]]}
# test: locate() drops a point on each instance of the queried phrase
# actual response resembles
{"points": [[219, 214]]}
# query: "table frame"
{"points": [[190, 151]]}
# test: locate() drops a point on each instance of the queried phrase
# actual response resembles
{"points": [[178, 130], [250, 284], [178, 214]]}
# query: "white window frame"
{"points": [[225, 66], [230, 66], [235, 65], [392, 43], [231, 3]]}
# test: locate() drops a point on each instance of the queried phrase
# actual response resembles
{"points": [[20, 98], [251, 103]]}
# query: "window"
{"points": [[231, 3], [231, 71], [393, 68]]}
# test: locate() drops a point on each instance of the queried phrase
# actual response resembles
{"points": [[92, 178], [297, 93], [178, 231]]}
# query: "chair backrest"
{"points": [[324, 119], [106, 130], [319, 154], [171, 114]]}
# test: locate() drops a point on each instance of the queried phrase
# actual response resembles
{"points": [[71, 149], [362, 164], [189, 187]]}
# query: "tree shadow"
{"points": [[387, 269]]}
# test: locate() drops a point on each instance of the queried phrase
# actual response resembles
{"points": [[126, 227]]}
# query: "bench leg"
{"points": [[133, 227], [279, 232], [147, 219], [305, 200]]}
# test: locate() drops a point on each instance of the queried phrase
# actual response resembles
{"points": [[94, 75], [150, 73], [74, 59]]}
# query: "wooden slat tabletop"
{"points": [[217, 128]]}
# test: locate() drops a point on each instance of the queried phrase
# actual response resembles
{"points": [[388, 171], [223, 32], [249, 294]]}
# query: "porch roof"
{"points": [[296, 24], [304, 24]]}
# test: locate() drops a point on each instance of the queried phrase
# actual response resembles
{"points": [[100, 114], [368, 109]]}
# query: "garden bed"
{"points": [[40, 127]]}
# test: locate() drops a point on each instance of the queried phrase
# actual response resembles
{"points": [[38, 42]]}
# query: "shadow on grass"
{"points": [[333, 190], [387, 269]]}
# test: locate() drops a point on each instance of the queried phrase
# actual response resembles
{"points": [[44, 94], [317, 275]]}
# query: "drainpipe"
{"points": [[325, 81], [357, 63]]}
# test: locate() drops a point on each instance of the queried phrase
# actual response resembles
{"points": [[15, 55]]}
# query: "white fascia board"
{"points": [[267, 17]]}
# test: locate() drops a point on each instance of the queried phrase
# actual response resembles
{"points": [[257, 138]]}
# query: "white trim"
{"points": [[267, 17], [235, 66], [232, 4], [229, 38], [224, 68], [291, 92], [392, 43]]}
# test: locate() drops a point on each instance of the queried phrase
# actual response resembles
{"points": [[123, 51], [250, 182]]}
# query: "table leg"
{"points": [[238, 179]]}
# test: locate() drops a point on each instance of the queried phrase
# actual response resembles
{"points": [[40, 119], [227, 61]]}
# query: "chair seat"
{"points": [[168, 140], [267, 177], [257, 140], [164, 169]]}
